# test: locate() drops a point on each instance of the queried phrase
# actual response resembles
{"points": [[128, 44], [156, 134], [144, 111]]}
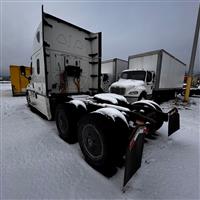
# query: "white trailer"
{"points": [[155, 74], [111, 70]]}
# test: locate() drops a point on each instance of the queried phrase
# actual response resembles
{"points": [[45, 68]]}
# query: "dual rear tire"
{"points": [[152, 110], [142, 96], [102, 140], [67, 116]]}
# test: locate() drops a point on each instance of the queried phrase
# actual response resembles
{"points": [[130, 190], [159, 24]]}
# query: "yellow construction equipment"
{"points": [[19, 79]]}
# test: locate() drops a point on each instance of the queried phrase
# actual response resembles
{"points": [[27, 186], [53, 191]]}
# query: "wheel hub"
{"points": [[92, 142]]}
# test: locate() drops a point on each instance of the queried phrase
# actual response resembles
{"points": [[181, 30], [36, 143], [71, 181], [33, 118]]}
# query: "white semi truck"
{"points": [[64, 85], [111, 70], [153, 75]]}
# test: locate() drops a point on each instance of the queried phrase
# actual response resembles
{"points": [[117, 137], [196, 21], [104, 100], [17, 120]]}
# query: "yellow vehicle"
{"points": [[19, 79]]}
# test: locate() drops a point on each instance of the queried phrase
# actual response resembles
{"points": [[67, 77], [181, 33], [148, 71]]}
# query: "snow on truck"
{"points": [[153, 75], [64, 86], [111, 71]]}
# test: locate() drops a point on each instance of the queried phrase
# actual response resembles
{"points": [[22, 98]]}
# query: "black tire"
{"points": [[13, 90], [154, 115], [102, 142], [28, 99], [143, 95], [158, 120], [67, 115], [157, 98], [183, 93], [191, 93]]}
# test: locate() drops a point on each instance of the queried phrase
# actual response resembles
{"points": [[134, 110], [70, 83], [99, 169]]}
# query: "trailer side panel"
{"points": [[107, 67], [121, 65], [113, 69], [148, 62], [172, 73]]}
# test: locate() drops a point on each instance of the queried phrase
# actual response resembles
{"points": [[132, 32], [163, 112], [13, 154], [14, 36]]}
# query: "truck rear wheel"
{"points": [[100, 143], [142, 96], [67, 116], [153, 114], [159, 121]]}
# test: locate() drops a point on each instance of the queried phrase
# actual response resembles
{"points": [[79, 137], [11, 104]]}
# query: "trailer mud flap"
{"points": [[174, 121], [134, 153]]}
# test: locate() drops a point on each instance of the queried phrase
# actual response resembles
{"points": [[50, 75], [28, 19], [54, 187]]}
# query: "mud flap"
{"points": [[134, 153], [174, 121]]}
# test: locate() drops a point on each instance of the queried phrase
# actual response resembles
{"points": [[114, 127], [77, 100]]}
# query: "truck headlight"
{"points": [[133, 93]]}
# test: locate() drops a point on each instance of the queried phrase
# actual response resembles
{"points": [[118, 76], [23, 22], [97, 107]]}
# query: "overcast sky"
{"points": [[128, 28]]}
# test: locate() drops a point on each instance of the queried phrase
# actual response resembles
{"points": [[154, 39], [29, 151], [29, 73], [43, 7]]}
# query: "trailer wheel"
{"points": [[67, 116], [159, 121], [154, 115], [142, 96], [99, 142]]}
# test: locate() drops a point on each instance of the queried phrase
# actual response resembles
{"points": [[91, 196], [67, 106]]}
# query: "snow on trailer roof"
{"points": [[154, 52]]}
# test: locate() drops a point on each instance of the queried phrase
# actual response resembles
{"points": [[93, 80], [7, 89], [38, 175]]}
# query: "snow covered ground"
{"points": [[37, 164]]}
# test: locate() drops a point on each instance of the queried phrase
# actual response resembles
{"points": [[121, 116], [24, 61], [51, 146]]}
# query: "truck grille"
{"points": [[117, 90]]}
